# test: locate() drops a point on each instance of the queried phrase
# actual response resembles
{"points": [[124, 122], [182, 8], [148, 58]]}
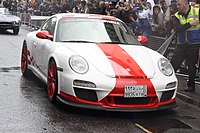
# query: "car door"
{"points": [[44, 47]]}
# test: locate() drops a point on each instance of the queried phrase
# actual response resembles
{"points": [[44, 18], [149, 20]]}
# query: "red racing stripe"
{"points": [[124, 67], [122, 63]]}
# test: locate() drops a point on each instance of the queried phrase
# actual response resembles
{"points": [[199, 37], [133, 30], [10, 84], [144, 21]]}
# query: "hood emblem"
{"points": [[128, 69]]}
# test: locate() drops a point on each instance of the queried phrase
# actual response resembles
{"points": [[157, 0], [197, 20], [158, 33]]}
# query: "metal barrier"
{"points": [[31, 20], [37, 21], [25, 18]]}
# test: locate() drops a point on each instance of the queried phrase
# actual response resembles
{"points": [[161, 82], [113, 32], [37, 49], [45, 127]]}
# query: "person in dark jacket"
{"points": [[187, 28], [65, 7], [101, 8]]}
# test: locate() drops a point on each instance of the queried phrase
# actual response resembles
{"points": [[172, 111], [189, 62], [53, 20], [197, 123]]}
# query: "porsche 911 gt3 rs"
{"points": [[96, 62]]}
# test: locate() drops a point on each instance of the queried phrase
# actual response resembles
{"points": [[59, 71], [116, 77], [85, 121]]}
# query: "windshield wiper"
{"points": [[123, 43], [78, 41], [112, 42]]}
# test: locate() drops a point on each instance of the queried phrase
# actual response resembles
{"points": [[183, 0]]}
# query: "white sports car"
{"points": [[8, 21], [96, 62]]}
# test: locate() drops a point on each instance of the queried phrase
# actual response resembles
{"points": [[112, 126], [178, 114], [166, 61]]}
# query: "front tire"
{"points": [[24, 61], [52, 81], [15, 30]]}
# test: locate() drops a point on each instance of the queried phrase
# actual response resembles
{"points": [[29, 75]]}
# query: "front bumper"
{"points": [[96, 107]]}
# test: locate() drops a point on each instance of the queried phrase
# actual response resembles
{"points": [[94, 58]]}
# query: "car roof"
{"points": [[86, 16]]}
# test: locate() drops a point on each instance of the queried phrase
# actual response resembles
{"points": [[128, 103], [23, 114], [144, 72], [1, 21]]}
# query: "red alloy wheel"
{"points": [[52, 81], [24, 59]]}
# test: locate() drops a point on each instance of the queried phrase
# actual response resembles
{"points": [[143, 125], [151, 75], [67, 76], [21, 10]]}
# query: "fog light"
{"points": [[84, 83], [170, 85]]}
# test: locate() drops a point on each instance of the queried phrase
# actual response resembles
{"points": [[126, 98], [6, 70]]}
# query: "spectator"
{"points": [[55, 8], [125, 14], [91, 7], [168, 24], [45, 9], [83, 7], [76, 8], [101, 8], [145, 19], [157, 25], [163, 6], [73, 3], [65, 7]]}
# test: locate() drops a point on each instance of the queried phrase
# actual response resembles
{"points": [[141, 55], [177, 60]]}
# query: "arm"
{"points": [[181, 28], [177, 25]]}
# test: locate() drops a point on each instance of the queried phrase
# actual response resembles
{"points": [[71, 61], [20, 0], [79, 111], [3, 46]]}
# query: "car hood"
{"points": [[8, 18], [120, 61]]}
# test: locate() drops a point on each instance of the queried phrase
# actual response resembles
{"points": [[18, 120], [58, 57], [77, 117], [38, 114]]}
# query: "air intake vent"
{"points": [[85, 94], [167, 95]]}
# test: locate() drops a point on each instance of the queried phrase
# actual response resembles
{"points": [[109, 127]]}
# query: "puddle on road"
{"points": [[8, 69], [162, 126]]}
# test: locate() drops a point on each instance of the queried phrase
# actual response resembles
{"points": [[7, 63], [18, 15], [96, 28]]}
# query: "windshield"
{"points": [[94, 30], [4, 11]]}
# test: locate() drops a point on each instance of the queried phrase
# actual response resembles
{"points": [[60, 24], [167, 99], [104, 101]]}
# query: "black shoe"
{"points": [[190, 89]]}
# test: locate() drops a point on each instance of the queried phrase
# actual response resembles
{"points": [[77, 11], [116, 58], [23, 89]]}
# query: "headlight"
{"points": [[14, 22], [165, 67], [78, 64], [19, 21]]}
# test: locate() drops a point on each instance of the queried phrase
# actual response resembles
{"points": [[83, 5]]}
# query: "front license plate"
{"points": [[135, 91]]}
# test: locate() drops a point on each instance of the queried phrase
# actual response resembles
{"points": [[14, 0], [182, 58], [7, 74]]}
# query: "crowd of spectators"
{"points": [[145, 17]]}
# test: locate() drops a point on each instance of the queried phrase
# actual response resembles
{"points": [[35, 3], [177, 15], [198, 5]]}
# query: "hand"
{"points": [[156, 26], [194, 22]]}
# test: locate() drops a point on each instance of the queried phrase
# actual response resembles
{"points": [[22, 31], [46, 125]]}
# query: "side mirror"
{"points": [[44, 35], [142, 39]]}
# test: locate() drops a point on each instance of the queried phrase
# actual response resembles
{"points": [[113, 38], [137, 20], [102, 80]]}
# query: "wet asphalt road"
{"points": [[24, 107]]}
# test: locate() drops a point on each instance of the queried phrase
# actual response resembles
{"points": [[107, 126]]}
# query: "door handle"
{"points": [[34, 44]]}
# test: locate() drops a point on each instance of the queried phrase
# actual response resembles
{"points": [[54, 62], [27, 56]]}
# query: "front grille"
{"points": [[131, 101], [167, 95], [85, 94], [6, 24]]}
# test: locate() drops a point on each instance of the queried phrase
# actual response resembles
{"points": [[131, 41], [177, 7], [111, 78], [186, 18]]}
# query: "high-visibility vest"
{"points": [[192, 35]]}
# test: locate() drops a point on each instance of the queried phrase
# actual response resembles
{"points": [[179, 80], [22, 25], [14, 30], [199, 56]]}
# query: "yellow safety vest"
{"points": [[192, 35]]}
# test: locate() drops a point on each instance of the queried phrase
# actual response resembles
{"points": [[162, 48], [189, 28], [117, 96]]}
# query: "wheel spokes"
{"points": [[52, 79], [24, 59]]}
